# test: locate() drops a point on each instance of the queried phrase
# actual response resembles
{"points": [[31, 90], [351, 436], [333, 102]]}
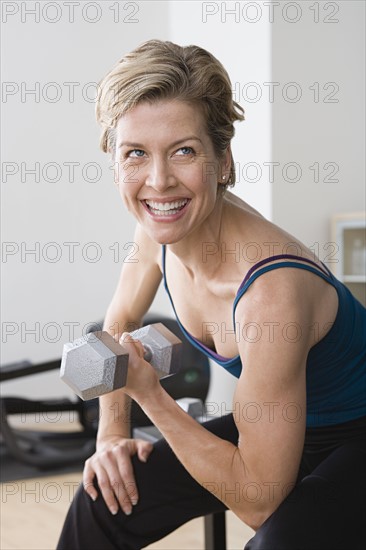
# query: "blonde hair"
{"points": [[158, 70]]}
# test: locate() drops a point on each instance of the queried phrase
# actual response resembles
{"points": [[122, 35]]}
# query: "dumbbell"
{"points": [[96, 364]]}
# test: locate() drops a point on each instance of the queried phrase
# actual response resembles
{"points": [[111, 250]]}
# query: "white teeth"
{"points": [[162, 213], [161, 207]]}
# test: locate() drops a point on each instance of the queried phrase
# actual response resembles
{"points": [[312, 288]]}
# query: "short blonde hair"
{"points": [[158, 70]]}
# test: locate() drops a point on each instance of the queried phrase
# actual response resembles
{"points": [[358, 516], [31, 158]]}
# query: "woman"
{"points": [[289, 462]]}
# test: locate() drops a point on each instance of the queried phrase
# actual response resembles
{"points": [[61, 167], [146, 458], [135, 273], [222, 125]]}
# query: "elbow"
{"points": [[255, 517], [256, 520]]}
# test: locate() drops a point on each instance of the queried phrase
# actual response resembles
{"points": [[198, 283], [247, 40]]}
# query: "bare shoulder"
{"points": [[261, 238], [237, 202], [293, 301]]}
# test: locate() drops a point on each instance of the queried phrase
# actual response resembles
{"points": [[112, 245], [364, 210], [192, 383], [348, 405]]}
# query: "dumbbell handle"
{"points": [[136, 335], [141, 333]]}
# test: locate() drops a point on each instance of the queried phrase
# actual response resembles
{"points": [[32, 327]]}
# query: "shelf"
{"points": [[349, 233], [354, 278]]}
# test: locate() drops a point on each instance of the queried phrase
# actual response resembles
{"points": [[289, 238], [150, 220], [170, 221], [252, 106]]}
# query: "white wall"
{"points": [[48, 296], [325, 129]]}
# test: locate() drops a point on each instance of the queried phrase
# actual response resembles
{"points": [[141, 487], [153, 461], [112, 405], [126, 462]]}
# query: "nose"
{"points": [[159, 176]]}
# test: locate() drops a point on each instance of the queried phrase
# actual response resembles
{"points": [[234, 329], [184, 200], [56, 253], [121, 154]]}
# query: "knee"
{"points": [[264, 540], [81, 498], [83, 509], [90, 524], [304, 520], [286, 528], [274, 535]]}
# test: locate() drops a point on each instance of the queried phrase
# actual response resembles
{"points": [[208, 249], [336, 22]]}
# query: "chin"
{"points": [[163, 239]]}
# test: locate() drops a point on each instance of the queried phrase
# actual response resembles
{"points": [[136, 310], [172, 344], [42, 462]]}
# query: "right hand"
{"points": [[111, 464]]}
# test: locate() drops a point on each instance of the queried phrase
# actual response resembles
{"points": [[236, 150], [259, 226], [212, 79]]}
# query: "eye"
{"points": [[185, 151], [135, 153]]}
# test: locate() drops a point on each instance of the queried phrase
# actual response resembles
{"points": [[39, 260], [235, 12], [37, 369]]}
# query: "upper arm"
{"points": [[270, 398], [138, 283]]}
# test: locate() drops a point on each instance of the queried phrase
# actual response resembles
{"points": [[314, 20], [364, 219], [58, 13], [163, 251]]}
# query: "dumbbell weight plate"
{"points": [[94, 364]]}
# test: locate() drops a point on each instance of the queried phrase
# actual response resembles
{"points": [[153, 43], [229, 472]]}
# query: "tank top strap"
{"points": [[282, 260]]}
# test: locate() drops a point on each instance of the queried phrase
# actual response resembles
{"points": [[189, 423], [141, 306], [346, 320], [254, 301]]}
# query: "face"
{"points": [[167, 170]]}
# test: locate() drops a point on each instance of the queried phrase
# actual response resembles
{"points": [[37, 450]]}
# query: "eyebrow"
{"points": [[140, 145]]}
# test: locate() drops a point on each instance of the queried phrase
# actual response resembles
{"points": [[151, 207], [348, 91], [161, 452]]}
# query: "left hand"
{"points": [[142, 379]]}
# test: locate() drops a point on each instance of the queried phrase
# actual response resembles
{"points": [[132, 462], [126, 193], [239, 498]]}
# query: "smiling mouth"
{"points": [[166, 208]]}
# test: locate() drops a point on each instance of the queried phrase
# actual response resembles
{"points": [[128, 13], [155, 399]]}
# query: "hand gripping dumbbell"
{"points": [[96, 364]]}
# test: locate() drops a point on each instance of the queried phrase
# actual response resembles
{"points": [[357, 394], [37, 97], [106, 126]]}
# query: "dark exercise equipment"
{"points": [[47, 450]]}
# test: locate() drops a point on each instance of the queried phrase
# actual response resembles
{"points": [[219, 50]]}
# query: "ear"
{"points": [[225, 166]]}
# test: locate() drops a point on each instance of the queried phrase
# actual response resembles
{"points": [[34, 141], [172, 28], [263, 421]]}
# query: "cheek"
{"points": [[206, 175], [128, 183], [125, 173], [123, 191], [129, 175]]}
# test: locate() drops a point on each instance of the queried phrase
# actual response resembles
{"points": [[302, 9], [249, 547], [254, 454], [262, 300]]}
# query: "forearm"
{"points": [[214, 463], [114, 415], [115, 407]]}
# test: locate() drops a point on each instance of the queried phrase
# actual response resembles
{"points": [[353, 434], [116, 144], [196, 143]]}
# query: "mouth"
{"points": [[165, 209]]}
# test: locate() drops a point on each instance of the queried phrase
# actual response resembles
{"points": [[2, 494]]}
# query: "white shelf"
{"points": [[347, 230], [354, 278]]}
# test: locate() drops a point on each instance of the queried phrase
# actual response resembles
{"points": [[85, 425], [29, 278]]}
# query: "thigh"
{"points": [[325, 511], [168, 497]]}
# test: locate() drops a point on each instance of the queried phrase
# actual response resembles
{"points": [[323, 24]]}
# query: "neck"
{"points": [[198, 250]]}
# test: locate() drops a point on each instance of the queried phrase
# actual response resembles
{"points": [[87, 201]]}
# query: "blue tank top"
{"points": [[336, 365]]}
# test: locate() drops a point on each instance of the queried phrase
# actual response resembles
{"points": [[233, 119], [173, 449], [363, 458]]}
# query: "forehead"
{"points": [[162, 118]]}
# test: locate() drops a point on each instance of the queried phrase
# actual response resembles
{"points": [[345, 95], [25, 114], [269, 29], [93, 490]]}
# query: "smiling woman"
{"points": [[167, 117], [189, 74], [168, 177]]}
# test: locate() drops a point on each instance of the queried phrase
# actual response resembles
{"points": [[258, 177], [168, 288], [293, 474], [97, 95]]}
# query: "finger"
{"points": [[117, 463], [144, 449], [134, 346], [126, 338], [112, 489], [88, 481], [126, 472]]}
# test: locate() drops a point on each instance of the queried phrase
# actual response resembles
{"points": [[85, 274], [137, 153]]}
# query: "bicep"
{"points": [[270, 398], [270, 417]]}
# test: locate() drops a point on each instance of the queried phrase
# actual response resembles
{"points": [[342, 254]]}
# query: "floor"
{"points": [[32, 513]]}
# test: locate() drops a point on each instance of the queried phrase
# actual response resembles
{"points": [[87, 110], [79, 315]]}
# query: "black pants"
{"points": [[325, 510]]}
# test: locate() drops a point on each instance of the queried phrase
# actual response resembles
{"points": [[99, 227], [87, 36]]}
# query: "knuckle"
{"points": [[117, 449], [121, 447], [115, 482], [87, 476], [130, 489], [119, 491], [104, 484]]}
